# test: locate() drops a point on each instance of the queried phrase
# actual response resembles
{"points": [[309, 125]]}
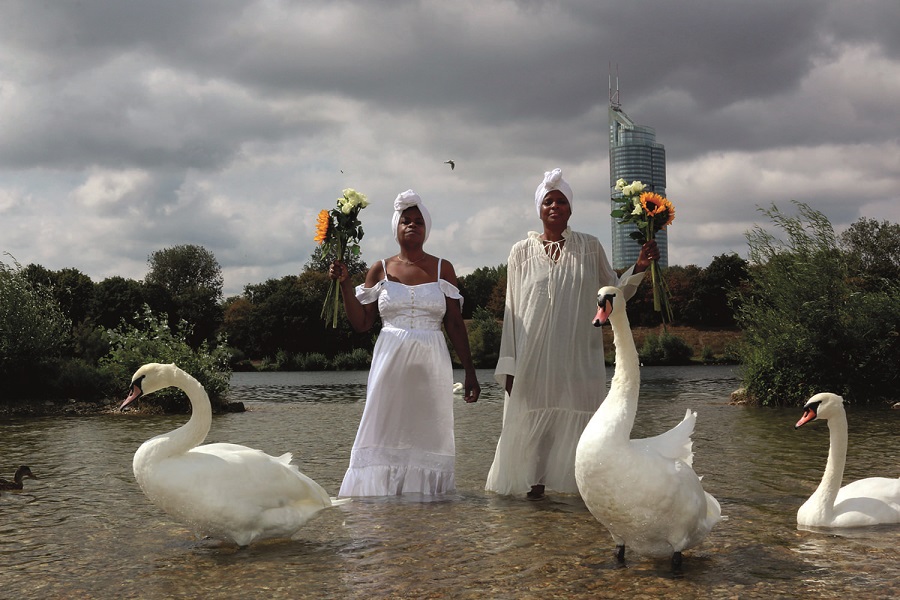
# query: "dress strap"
{"points": [[440, 260]]}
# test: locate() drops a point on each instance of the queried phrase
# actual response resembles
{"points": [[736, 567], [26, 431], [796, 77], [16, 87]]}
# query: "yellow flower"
{"points": [[322, 227]]}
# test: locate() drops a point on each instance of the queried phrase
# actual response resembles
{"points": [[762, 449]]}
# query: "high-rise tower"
{"points": [[634, 155]]}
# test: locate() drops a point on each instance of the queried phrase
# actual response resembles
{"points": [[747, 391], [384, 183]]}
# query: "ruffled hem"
{"points": [[396, 480], [536, 446]]}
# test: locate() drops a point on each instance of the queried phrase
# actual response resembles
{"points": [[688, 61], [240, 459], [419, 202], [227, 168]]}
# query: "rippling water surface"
{"points": [[85, 530]]}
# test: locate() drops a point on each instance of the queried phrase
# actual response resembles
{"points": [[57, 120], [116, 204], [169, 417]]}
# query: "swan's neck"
{"points": [[192, 433], [834, 467], [620, 406]]}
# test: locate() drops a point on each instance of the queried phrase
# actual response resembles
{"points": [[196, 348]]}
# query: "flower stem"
{"points": [[337, 293]]}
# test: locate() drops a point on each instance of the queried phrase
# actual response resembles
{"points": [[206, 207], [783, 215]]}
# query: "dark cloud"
{"points": [[230, 123]]}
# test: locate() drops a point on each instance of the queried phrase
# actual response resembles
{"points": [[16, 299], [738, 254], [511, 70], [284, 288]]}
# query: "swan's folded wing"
{"points": [[877, 497], [675, 443], [253, 470]]}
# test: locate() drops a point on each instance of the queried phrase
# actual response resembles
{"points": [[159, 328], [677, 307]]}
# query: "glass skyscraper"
{"points": [[634, 155]]}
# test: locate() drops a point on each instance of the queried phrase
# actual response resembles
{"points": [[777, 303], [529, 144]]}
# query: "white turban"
{"points": [[406, 200], [553, 180]]}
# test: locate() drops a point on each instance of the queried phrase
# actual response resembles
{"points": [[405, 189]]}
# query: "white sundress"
{"points": [[405, 442]]}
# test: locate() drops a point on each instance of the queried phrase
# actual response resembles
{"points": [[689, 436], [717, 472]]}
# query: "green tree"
{"points": [[319, 262], [872, 251], [709, 302], [116, 299], [680, 281], [33, 331], [478, 287], [72, 289], [807, 327], [485, 332], [192, 278]]}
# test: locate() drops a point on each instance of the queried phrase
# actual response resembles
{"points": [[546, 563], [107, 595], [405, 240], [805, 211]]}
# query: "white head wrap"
{"points": [[553, 180], [406, 200]]}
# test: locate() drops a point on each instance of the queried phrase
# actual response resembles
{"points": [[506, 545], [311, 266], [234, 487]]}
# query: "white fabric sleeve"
{"points": [[368, 295]]}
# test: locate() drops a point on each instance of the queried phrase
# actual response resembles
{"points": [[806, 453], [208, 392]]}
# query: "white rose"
{"points": [[634, 189], [620, 184]]}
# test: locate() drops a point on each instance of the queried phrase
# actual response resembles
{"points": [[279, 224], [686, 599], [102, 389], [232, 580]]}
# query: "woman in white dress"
{"points": [[405, 442], [551, 358]]}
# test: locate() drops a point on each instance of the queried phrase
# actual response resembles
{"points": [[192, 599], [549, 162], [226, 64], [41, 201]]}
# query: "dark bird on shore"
{"points": [[16, 483], [451, 163]]}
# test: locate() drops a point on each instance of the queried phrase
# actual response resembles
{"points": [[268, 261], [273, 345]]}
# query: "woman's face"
{"points": [[411, 225], [555, 209]]}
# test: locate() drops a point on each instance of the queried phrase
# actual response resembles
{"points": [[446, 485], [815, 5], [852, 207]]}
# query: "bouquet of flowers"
{"points": [[339, 231], [649, 212]]}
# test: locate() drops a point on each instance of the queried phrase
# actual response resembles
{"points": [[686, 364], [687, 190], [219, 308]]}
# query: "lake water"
{"points": [[85, 530]]}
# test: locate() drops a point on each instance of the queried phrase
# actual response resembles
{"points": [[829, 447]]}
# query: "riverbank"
{"points": [[718, 343], [79, 408]]}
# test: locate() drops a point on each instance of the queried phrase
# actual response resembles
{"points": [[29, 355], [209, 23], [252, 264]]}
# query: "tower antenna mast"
{"points": [[614, 95]]}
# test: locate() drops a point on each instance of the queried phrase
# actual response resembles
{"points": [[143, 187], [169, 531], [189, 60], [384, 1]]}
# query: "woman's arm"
{"points": [[459, 336], [361, 316]]}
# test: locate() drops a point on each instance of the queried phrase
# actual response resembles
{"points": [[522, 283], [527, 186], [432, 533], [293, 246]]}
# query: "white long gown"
{"points": [[405, 439], [556, 356]]}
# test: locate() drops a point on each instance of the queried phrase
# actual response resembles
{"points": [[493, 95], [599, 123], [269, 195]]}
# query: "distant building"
{"points": [[634, 155]]}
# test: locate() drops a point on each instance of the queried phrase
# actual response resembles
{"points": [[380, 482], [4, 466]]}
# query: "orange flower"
{"points": [[656, 205], [653, 203], [322, 227]]}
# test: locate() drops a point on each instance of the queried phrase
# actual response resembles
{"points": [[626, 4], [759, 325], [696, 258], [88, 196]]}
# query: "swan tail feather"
{"points": [[675, 443]]}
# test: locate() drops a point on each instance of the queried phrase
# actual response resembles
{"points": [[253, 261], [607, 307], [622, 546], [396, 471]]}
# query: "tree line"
{"points": [[71, 333]]}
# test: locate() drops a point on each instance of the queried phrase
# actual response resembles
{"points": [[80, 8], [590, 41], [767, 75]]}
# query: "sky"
{"points": [[129, 126]]}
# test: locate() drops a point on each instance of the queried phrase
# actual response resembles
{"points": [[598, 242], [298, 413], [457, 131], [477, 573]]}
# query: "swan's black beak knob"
{"points": [[604, 309]]}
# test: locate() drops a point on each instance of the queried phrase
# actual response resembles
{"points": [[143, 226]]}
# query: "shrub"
{"points": [[313, 361], [151, 340], [807, 327], [77, 378], [355, 360], [665, 349]]}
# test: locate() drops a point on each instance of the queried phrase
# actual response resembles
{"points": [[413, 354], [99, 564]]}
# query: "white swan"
{"points": [[870, 501], [222, 490], [644, 491]]}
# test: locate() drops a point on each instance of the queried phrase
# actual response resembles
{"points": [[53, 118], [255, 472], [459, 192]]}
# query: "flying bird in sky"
{"points": [[451, 163]]}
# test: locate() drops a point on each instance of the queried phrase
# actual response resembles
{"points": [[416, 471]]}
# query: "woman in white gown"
{"points": [[405, 442], [551, 359]]}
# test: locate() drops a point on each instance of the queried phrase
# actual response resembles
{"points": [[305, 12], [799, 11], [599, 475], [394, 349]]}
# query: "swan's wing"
{"points": [[258, 477], [877, 497], [675, 443], [883, 488]]}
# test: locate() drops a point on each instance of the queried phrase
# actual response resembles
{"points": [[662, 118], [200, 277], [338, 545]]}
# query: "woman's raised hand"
{"points": [[338, 270]]}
